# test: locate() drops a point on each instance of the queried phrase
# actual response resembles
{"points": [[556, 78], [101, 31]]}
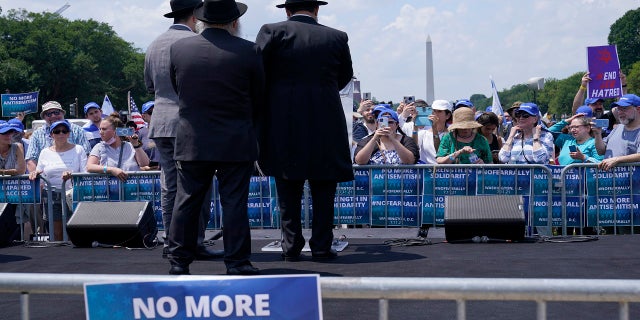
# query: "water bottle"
{"points": [[473, 157]]}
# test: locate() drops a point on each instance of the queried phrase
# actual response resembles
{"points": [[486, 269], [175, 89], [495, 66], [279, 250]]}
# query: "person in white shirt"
{"points": [[55, 164], [428, 137]]}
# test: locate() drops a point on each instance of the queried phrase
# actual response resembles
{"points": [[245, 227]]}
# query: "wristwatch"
{"points": [[452, 158]]}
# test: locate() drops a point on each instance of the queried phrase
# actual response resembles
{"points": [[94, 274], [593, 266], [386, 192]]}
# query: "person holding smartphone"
{"points": [[580, 146], [387, 145], [113, 155]]}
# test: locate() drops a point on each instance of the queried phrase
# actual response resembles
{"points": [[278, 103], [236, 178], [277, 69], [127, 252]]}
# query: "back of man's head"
{"points": [[302, 7]]}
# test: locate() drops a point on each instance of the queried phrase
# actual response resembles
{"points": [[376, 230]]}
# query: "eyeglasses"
{"points": [[391, 122], [60, 131], [150, 112], [50, 113], [578, 126], [523, 115]]}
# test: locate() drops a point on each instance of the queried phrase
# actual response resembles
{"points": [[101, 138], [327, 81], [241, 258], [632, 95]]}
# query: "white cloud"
{"points": [[511, 40]]}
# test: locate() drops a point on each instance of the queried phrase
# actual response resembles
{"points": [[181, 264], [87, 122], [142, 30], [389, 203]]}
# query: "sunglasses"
{"points": [[523, 115], [60, 131], [150, 112], [50, 113]]}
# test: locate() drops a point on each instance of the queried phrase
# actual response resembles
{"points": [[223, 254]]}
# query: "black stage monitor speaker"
{"points": [[9, 229], [499, 217], [127, 224]]}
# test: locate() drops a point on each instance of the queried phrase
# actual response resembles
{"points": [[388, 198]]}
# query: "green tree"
{"points": [[633, 79], [625, 34], [64, 60]]}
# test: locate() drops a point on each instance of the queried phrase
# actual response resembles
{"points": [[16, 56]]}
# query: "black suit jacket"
{"points": [[305, 132], [219, 79]]}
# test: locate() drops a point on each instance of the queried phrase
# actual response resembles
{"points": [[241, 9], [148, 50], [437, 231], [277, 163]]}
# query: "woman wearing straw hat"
{"points": [[463, 144]]}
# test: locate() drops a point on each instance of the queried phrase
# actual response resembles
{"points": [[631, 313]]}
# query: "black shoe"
{"points": [[291, 257], [324, 255], [165, 252], [244, 270], [204, 253], [178, 270]]}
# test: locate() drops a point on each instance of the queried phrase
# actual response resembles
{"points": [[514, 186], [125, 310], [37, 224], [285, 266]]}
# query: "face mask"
{"points": [[111, 141]]}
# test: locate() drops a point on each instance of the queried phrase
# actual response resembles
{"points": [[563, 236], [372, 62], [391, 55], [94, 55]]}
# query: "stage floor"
{"points": [[610, 257]]}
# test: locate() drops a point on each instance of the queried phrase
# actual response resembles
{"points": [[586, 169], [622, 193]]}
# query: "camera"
{"points": [[124, 132], [602, 123], [409, 99]]}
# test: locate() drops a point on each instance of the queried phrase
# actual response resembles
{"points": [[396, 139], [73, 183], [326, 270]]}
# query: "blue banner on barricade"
{"points": [[411, 196], [19, 189], [601, 198]]}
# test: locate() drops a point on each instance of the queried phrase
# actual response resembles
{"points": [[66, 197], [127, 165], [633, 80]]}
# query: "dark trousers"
{"points": [[290, 202], [168, 187], [194, 179]]}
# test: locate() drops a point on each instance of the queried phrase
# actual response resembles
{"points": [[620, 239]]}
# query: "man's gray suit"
{"points": [[162, 128]]}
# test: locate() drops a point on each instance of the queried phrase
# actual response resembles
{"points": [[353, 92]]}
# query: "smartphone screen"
{"points": [[422, 118], [383, 122], [572, 148]]}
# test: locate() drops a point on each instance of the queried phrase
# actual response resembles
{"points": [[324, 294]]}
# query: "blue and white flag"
{"points": [[496, 107], [107, 107]]}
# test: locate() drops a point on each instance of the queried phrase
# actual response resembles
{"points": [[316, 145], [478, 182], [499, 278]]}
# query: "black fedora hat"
{"points": [[180, 6], [219, 11], [294, 2]]}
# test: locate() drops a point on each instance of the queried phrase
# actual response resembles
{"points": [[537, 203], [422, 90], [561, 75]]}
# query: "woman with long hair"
{"points": [[490, 124]]}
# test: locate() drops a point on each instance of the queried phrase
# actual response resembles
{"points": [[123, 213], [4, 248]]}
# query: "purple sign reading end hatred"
{"points": [[604, 69]]}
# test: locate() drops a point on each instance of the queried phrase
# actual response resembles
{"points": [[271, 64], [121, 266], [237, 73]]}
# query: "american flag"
{"points": [[136, 117]]}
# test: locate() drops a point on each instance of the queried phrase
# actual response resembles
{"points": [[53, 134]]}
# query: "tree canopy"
{"points": [[64, 60]]}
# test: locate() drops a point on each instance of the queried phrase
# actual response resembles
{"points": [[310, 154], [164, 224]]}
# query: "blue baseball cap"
{"points": [[17, 124], [388, 113], [628, 100], [379, 108], [589, 101], [530, 108], [463, 103], [6, 127], [90, 105], [586, 110], [147, 105], [60, 123]]}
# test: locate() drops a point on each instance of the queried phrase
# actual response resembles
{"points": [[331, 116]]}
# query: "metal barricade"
{"points": [[598, 198], [382, 289], [383, 191], [21, 191]]}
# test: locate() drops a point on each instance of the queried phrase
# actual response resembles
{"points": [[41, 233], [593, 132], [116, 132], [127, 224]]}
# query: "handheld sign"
{"points": [[604, 69], [19, 102]]}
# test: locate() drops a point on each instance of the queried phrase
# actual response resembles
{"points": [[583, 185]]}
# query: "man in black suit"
{"points": [[304, 130], [219, 79]]}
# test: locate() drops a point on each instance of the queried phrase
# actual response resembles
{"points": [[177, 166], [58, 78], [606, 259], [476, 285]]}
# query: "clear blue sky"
{"points": [[510, 40]]}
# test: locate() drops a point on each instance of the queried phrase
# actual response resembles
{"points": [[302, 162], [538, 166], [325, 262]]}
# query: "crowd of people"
{"points": [[59, 148], [230, 108], [458, 134]]}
